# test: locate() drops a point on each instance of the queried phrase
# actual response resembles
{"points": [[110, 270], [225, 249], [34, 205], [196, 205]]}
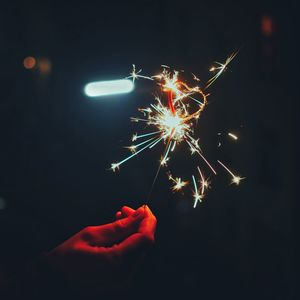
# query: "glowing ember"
{"points": [[178, 183], [233, 136]]}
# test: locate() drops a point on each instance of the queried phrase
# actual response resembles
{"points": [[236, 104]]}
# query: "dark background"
{"points": [[57, 144]]}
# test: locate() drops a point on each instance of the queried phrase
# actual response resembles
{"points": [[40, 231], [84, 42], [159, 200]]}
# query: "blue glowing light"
{"points": [[105, 88]]}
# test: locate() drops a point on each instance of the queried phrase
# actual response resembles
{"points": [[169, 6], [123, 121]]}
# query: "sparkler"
{"points": [[173, 118]]}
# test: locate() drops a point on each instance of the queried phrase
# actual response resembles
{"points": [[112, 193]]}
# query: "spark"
{"points": [[219, 68], [235, 179], [199, 192], [233, 136], [195, 77], [133, 148], [115, 166], [178, 183], [136, 74], [204, 182], [197, 195]]}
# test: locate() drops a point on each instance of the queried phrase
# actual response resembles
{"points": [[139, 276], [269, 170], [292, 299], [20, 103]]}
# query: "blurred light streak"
{"points": [[105, 88]]}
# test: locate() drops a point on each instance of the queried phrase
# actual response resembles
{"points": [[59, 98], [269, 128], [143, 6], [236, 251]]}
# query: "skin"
{"points": [[106, 256]]}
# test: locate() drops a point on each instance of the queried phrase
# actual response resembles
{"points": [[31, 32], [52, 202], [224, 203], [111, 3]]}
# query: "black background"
{"points": [[56, 145]]}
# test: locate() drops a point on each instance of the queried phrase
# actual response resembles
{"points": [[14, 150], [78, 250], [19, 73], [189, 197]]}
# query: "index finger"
{"points": [[148, 224]]}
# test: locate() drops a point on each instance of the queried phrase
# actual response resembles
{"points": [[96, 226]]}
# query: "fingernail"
{"points": [[138, 212]]}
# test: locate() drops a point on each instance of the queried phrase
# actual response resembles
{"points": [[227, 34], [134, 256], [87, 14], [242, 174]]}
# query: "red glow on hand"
{"points": [[106, 256]]}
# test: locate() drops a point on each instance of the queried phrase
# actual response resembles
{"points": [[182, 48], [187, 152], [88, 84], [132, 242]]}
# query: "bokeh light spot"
{"points": [[29, 62], [267, 25], [45, 66]]}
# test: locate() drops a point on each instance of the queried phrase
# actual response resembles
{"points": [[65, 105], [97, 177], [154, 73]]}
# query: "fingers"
{"points": [[125, 212], [125, 252], [140, 221], [109, 234], [142, 239], [126, 239], [148, 224]]}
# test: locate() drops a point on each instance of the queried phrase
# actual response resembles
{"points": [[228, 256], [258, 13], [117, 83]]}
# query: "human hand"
{"points": [[106, 256]]}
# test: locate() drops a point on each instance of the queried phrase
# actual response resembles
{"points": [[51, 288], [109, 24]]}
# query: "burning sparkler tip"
{"points": [[134, 138], [237, 180]]}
